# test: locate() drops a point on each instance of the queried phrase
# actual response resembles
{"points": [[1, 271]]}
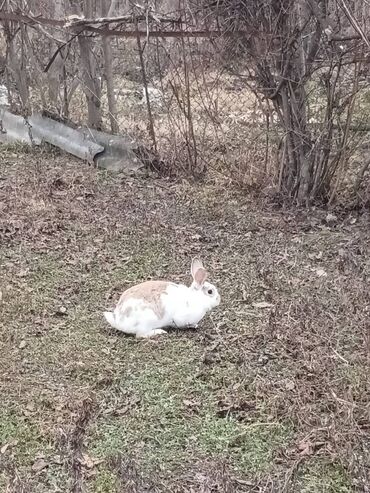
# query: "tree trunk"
{"points": [[16, 65], [89, 74], [299, 106], [298, 158], [107, 9], [56, 71]]}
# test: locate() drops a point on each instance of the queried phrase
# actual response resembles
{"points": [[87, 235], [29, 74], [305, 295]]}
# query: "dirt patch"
{"points": [[270, 394]]}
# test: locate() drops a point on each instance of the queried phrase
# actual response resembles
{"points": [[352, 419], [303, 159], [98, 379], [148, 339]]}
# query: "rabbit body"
{"points": [[144, 310]]}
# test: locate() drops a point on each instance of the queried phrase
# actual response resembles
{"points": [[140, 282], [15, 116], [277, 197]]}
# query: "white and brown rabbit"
{"points": [[144, 310]]}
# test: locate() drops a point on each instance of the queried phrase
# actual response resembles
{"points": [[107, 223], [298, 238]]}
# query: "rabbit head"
{"points": [[207, 290]]}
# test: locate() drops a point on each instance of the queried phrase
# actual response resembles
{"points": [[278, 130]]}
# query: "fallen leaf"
{"points": [[190, 403], [262, 304], [56, 459], [244, 294], [62, 310], [39, 465], [263, 359], [305, 447], [22, 344], [121, 411], [331, 218], [315, 256], [5, 447], [28, 411], [289, 385], [30, 407], [89, 462], [321, 273], [296, 239]]}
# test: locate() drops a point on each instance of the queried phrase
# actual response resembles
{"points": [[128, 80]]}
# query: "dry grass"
{"points": [[271, 397]]}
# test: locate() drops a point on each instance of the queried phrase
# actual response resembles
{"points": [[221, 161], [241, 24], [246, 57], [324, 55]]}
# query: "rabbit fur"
{"points": [[146, 309]]}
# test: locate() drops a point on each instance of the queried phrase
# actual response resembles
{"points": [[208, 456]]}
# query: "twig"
{"points": [[211, 33], [58, 50], [145, 84], [340, 357], [123, 18], [290, 473], [354, 23], [360, 176]]}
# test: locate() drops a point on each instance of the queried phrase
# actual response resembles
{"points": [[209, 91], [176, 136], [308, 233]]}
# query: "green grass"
{"points": [[23, 432], [104, 482], [160, 430], [323, 477], [175, 417], [161, 404], [26, 443]]}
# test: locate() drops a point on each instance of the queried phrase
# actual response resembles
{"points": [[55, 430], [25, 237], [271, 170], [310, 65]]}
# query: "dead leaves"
{"points": [[61, 311], [331, 219], [89, 462], [289, 385], [235, 407], [192, 405], [42, 462], [22, 344], [307, 447], [39, 465], [29, 409], [8, 445], [262, 305], [321, 273], [132, 403]]}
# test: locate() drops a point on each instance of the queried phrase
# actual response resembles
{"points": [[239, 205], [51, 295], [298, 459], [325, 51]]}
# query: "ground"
{"points": [[271, 393]]}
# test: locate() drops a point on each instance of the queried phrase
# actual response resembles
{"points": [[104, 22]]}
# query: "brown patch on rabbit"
{"points": [[150, 292]]}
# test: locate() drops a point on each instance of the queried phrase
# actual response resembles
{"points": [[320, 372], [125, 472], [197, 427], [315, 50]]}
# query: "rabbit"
{"points": [[145, 309]]}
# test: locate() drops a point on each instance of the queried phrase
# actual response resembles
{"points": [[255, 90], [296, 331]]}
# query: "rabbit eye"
{"points": [[210, 291]]}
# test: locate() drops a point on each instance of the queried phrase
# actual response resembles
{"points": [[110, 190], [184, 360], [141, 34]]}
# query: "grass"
{"points": [[22, 436], [256, 397], [323, 477], [104, 482], [168, 422]]}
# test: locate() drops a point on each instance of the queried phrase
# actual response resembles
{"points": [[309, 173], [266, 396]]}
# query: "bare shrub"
{"points": [[270, 92], [297, 52]]}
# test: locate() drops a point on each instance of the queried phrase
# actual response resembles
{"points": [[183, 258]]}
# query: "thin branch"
{"points": [[57, 51], [82, 22], [354, 23], [123, 33]]}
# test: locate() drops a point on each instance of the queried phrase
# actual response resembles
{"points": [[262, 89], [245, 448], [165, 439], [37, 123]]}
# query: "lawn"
{"points": [[270, 394]]}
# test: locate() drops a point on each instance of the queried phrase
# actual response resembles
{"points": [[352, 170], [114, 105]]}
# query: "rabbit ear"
{"points": [[198, 272]]}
